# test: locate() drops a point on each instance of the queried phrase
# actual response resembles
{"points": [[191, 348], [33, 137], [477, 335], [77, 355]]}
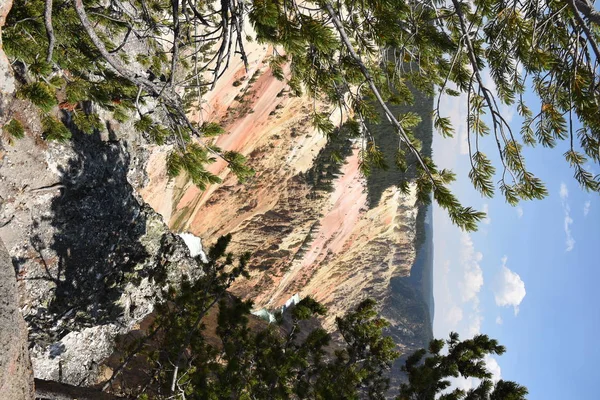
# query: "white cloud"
{"points": [[461, 281], [569, 242], [586, 208], [446, 267], [568, 221], [564, 192], [520, 212], [499, 320], [493, 367], [472, 275], [475, 324], [509, 288], [473, 281], [454, 316], [486, 210]]}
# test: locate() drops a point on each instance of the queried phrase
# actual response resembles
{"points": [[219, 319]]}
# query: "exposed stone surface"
{"points": [[16, 377], [91, 257], [314, 228], [7, 82], [75, 355], [91, 260]]}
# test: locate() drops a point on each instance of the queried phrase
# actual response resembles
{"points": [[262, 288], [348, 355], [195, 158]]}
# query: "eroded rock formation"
{"points": [[91, 257], [315, 228]]}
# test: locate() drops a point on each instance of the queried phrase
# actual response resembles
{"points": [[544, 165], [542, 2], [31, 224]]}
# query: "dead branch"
{"points": [[49, 30]]}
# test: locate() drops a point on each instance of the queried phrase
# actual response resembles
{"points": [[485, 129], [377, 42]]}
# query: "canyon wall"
{"points": [[89, 256], [314, 227], [16, 374], [84, 223]]}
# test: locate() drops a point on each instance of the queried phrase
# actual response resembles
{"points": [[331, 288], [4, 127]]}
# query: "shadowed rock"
{"points": [[16, 376]]}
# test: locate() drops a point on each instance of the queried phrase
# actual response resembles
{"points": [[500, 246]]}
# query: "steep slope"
{"points": [[315, 228], [16, 374], [91, 259]]}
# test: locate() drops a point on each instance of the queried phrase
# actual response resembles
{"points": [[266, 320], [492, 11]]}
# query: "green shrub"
{"points": [[39, 93], [55, 130], [14, 129]]}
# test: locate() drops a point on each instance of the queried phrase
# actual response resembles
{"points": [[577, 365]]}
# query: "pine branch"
{"points": [[176, 32], [238, 28], [587, 10], [371, 82], [574, 4], [221, 53], [114, 62]]}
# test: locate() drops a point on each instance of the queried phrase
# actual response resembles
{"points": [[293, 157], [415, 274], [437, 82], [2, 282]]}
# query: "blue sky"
{"points": [[528, 277]]}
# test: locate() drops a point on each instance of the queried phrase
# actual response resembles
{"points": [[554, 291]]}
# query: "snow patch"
{"points": [[270, 316], [194, 244]]}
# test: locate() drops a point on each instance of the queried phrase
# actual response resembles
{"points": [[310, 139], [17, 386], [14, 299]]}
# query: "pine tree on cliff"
{"points": [[428, 377], [153, 60], [205, 344]]}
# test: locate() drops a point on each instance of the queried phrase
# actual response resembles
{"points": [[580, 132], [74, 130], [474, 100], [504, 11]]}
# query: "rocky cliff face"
{"points": [[315, 228], [16, 374], [90, 257]]}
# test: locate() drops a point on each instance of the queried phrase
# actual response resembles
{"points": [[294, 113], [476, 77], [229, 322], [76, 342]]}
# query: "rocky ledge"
{"points": [[90, 257]]}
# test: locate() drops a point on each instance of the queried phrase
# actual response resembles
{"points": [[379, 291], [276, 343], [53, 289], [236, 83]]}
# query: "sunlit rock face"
{"points": [[91, 259], [16, 374], [315, 228]]}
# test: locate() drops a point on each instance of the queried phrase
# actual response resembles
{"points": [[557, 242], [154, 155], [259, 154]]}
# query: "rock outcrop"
{"points": [[16, 375], [91, 258]]}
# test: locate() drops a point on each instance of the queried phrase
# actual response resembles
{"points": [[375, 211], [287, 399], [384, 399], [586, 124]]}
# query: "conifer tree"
{"points": [[153, 60], [237, 356], [428, 376]]}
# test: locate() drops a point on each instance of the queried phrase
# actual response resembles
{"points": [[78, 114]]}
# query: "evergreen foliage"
{"points": [[41, 94], [429, 376], [53, 129], [160, 58], [14, 130], [87, 123], [204, 344]]}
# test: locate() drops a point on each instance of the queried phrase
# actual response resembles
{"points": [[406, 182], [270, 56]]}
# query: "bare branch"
{"points": [[587, 10], [176, 32], [49, 30], [225, 42], [371, 82], [581, 23]]}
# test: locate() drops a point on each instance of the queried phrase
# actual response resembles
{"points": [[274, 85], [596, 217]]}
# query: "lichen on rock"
{"points": [[90, 257]]}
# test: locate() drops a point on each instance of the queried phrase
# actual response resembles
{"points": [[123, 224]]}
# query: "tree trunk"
{"points": [[50, 390]]}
